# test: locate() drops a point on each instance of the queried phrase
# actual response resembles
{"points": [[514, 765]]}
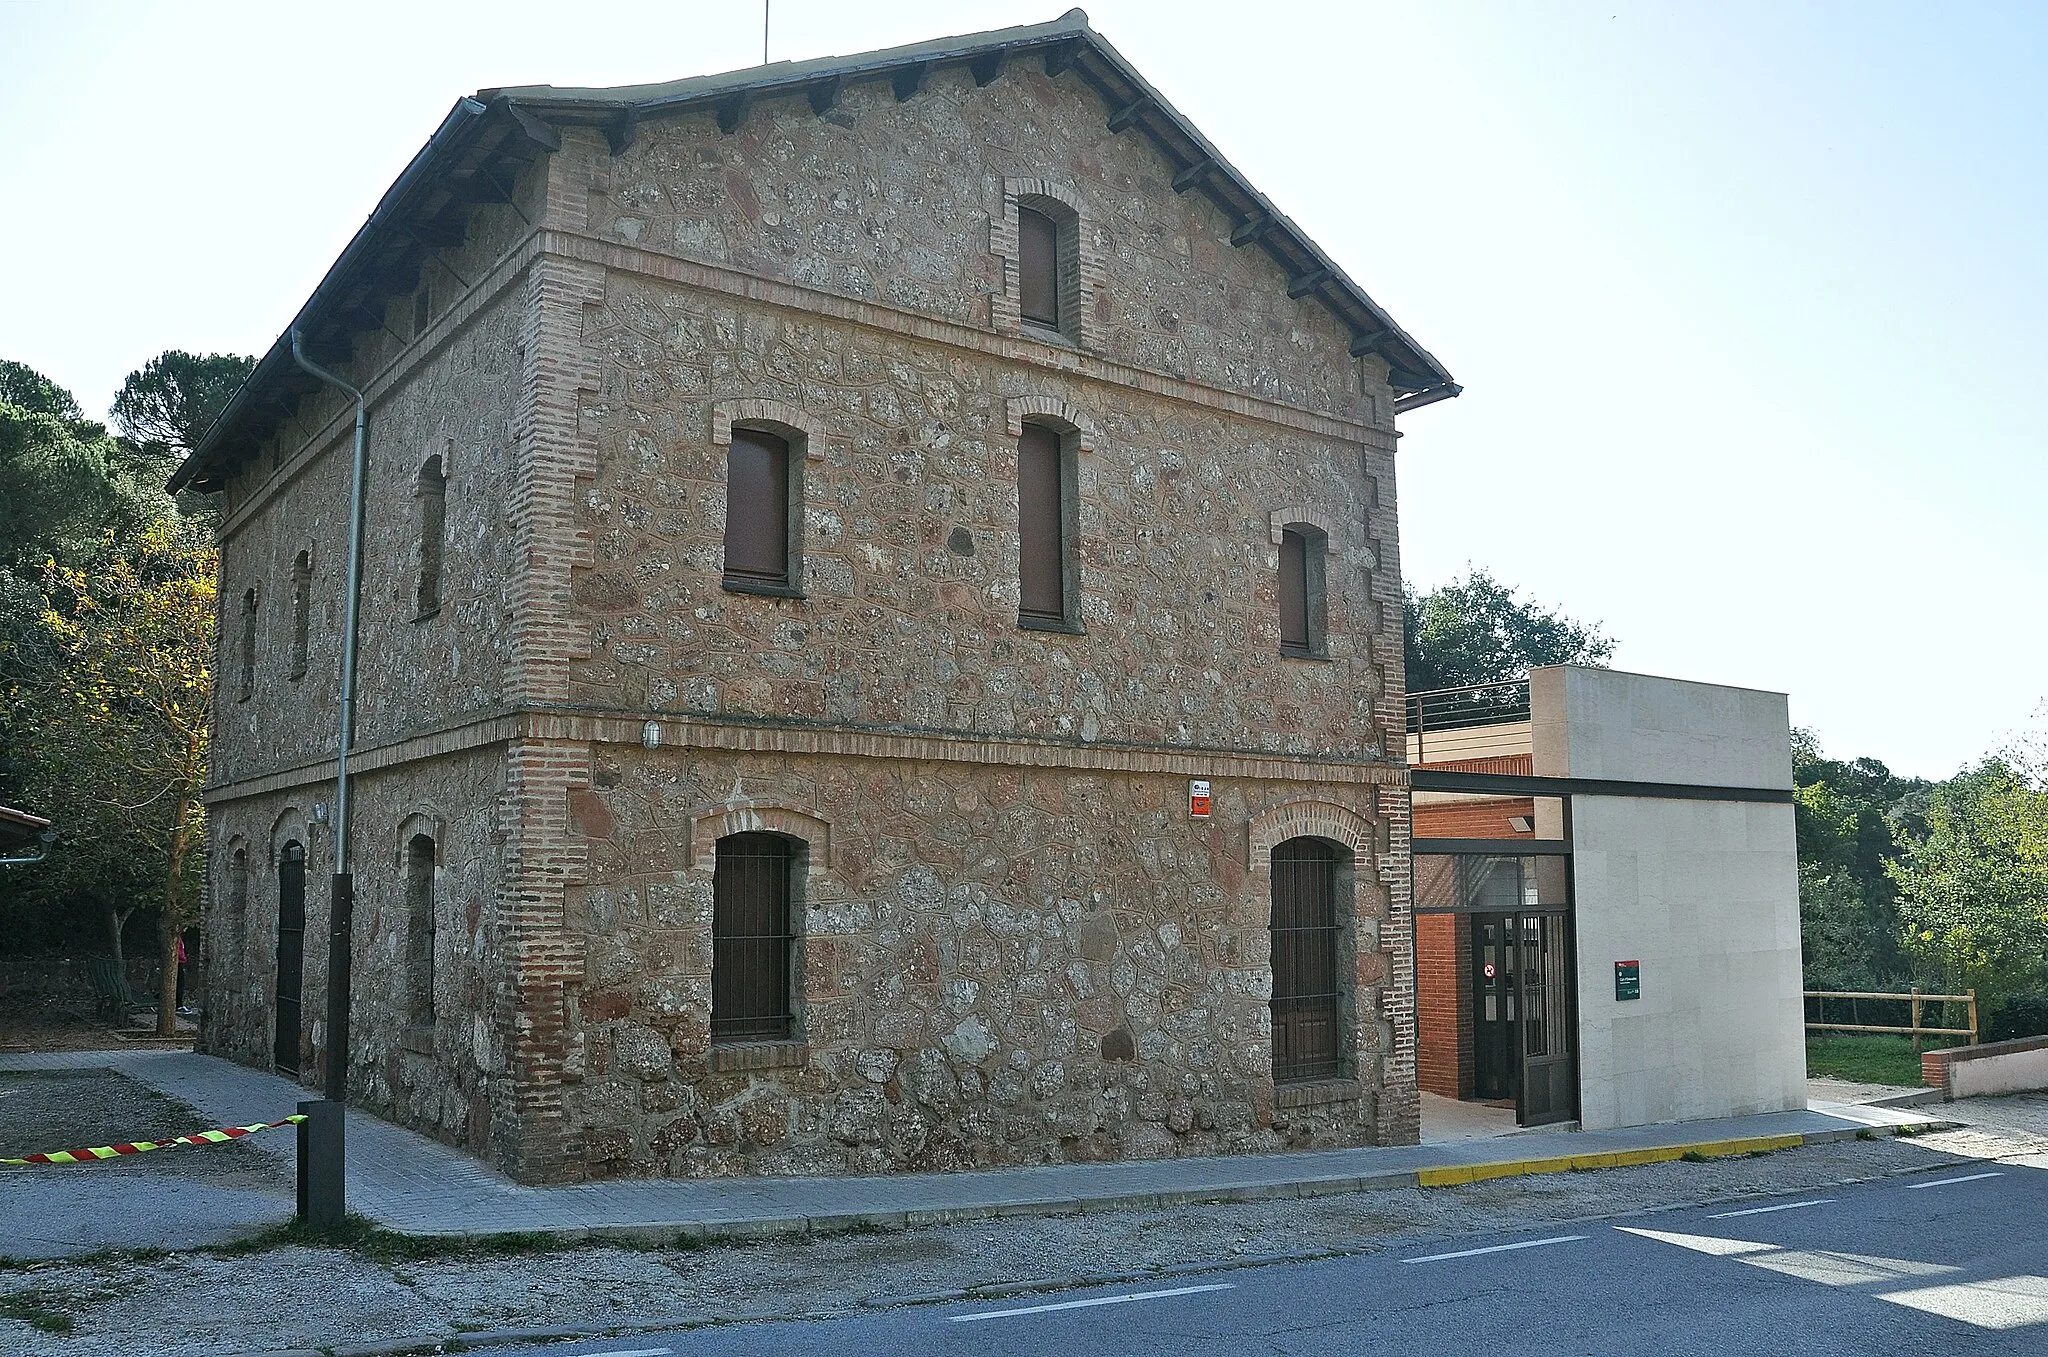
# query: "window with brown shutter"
{"points": [[753, 945], [1294, 563], [1041, 535], [757, 511], [1307, 993], [1038, 268]]}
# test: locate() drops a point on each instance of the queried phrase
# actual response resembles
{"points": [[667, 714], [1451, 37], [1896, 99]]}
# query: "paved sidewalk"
{"points": [[406, 1182]]}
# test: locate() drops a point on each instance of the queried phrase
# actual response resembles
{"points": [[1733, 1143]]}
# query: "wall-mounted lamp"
{"points": [[1521, 824]]}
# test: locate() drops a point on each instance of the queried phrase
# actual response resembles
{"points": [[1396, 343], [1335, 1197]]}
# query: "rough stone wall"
{"points": [[455, 401], [440, 1079], [1000, 966], [909, 546], [895, 202]]}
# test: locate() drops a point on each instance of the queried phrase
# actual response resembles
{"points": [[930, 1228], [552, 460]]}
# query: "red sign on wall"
{"points": [[1198, 798]]}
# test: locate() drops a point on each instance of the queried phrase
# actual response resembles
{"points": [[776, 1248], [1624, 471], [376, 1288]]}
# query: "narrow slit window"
{"points": [[302, 606], [753, 941], [245, 661], [1294, 594], [1041, 535], [433, 498], [419, 932], [757, 510], [1038, 268]]}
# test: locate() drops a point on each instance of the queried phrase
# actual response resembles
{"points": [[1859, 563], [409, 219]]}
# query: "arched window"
{"points": [[753, 938], [419, 930], [758, 513], [1038, 267], [1301, 592], [245, 661], [1045, 509], [432, 492], [1307, 977], [302, 606]]}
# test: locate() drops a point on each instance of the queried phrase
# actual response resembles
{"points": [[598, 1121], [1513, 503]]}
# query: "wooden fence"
{"points": [[1915, 999]]}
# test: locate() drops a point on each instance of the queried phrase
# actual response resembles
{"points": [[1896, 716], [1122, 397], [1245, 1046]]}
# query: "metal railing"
{"points": [[1914, 999], [1465, 708]]}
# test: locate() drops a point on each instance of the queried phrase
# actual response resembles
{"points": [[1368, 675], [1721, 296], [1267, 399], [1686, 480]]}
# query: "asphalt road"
{"points": [[1954, 1262]]}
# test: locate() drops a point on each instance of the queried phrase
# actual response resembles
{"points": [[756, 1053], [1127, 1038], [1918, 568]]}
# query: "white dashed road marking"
{"points": [[1497, 1248], [1766, 1210], [1092, 1302], [1944, 1182]]}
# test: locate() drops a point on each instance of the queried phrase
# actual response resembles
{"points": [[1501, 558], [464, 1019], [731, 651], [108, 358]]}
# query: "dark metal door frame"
{"points": [[1545, 1083], [291, 957]]}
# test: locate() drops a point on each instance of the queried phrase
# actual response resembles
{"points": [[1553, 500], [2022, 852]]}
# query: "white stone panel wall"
{"points": [[1705, 894]]}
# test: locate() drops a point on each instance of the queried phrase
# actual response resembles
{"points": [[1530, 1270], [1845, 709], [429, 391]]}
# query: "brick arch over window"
{"points": [[1283, 519], [784, 421], [290, 826], [708, 827], [427, 821], [1340, 825], [1052, 412], [1082, 268]]}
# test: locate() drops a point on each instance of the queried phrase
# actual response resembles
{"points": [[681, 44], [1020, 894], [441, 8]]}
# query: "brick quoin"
{"points": [[1013, 943]]}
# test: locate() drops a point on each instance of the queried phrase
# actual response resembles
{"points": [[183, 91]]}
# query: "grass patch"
{"points": [[39, 1308], [1695, 1157], [1865, 1059]]}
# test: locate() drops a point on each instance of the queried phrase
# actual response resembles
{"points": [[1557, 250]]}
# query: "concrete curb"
{"points": [[697, 1232]]}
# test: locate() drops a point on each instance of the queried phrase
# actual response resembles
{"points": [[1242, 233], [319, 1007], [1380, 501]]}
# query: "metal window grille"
{"points": [[1307, 992], [757, 509], [753, 946]]}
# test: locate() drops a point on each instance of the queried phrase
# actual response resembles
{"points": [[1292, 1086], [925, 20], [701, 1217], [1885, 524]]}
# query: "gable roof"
{"points": [[472, 159]]}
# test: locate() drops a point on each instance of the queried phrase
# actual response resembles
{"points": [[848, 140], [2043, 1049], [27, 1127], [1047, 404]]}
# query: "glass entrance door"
{"points": [[1494, 1069]]}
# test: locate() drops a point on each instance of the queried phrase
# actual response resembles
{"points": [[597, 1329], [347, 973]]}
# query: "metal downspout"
{"points": [[322, 1197]]}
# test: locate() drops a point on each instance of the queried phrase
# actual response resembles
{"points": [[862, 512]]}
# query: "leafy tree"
{"points": [[68, 491], [24, 387], [1475, 630], [1973, 894], [1848, 817], [121, 728], [166, 406]]}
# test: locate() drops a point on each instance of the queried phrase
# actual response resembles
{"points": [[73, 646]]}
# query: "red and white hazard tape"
{"points": [[220, 1137]]}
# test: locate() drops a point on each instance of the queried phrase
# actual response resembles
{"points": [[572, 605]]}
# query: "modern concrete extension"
{"points": [[1670, 803], [405, 1182]]}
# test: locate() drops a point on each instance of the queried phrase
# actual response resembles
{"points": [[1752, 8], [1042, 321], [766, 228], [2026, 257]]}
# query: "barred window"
{"points": [[753, 939], [1307, 993]]}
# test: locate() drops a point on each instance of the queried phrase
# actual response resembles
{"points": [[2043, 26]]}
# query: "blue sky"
{"points": [[1748, 299]]}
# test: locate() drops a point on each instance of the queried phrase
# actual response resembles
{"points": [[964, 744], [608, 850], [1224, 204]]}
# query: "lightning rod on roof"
{"points": [[764, 32]]}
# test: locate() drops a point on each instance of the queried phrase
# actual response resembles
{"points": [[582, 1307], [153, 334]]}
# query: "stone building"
{"points": [[880, 637]]}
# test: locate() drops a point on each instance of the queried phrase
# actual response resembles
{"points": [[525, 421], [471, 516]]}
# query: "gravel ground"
{"points": [[299, 1297], [73, 1109]]}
